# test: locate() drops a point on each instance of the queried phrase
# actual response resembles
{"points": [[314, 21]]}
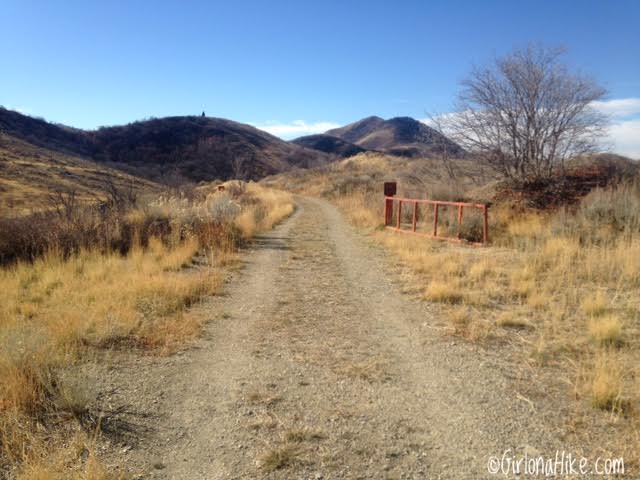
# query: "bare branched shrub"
{"points": [[70, 226], [526, 114]]}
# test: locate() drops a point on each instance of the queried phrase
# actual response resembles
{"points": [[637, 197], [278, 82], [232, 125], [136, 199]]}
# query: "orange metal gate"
{"points": [[435, 204]]}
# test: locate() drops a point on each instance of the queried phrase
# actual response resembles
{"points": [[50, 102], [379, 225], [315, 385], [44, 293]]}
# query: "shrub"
{"points": [[602, 214]]}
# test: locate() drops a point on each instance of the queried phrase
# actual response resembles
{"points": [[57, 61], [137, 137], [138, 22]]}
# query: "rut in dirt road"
{"points": [[316, 366]]}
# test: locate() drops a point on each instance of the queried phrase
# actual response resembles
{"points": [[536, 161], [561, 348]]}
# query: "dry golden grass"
{"points": [[52, 310], [460, 319], [31, 173], [359, 210], [443, 291], [511, 319], [58, 309], [303, 434], [565, 281], [76, 461], [607, 382], [369, 370], [606, 330], [279, 457], [594, 304], [268, 208]]}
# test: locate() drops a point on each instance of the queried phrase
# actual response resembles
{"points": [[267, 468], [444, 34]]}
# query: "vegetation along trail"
{"points": [[316, 365]]}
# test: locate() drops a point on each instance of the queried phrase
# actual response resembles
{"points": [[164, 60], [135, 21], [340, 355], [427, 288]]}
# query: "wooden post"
{"points": [[388, 205], [435, 219], [485, 224], [415, 215], [399, 213], [459, 219]]}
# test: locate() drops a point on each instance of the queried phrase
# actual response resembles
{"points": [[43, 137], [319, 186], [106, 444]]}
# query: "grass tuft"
{"points": [[606, 330], [303, 435], [594, 305], [607, 383], [444, 292], [279, 457]]}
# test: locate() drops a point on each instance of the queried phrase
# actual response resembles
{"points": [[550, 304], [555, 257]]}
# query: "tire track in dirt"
{"points": [[316, 366]]}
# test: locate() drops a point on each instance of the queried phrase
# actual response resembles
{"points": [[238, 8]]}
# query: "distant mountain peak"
{"points": [[403, 136], [329, 144], [372, 118]]}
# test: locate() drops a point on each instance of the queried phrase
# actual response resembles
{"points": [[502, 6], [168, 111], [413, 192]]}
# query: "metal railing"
{"points": [[436, 204]]}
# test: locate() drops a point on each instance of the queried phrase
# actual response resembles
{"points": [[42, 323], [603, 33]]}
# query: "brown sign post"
{"points": [[390, 189]]}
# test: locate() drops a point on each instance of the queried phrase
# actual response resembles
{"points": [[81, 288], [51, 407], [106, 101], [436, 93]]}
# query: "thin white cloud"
{"points": [[624, 137], [24, 111], [296, 128], [619, 107], [431, 121], [623, 134]]}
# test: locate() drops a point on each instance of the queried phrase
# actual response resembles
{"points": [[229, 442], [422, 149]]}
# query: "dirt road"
{"points": [[314, 365]]}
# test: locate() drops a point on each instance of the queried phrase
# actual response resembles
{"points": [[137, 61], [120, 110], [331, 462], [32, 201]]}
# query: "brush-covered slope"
{"points": [[402, 136], [420, 177], [329, 144], [199, 148], [30, 175], [38, 131], [195, 148]]}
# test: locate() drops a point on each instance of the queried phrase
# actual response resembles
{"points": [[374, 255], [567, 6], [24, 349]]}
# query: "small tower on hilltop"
{"points": [[203, 115]]}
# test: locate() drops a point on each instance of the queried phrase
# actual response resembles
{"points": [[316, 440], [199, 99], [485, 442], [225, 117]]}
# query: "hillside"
{"points": [[403, 136], [365, 173], [199, 148], [30, 174], [195, 148], [329, 144], [37, 131]]}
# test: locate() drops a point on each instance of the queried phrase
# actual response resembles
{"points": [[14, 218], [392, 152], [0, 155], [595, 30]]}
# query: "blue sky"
{"points": [[295, 67]]}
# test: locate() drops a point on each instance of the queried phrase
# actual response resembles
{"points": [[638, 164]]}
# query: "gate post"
{"points": [[415, 215], [485, 224], [389, 191], [435, 219]]}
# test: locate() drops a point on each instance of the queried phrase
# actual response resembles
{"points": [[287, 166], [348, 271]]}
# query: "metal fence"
{"points": [[412, 221]]}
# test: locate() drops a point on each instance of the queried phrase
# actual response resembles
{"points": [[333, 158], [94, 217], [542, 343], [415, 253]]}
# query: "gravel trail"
{"points": [[315, 365]]}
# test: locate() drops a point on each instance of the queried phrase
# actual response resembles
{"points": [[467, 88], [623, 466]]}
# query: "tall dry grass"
{"points": [[264, 208], [55, 310], [569, 279], [72, 295], [564, 285]]}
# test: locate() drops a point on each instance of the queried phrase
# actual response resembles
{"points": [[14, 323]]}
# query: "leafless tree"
{"points": [[442, 147], [65, 203], [238, 166], [526, 114], [119, 197]]}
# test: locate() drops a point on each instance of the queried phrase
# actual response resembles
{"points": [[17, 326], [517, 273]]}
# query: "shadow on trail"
{"points": [[270, 242]]}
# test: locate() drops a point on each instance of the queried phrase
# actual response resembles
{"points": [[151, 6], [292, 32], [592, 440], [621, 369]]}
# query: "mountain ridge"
{"points": [[402, 136], [329, 144], [193, 147]]}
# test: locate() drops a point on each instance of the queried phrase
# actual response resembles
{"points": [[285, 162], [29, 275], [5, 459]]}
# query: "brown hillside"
{"points": [[196, 148], [29, 175], [402, 136], [199, 148], [329, 144]]}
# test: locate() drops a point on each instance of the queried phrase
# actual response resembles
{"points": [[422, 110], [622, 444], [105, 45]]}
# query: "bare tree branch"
{"points": [[526, 114]]}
